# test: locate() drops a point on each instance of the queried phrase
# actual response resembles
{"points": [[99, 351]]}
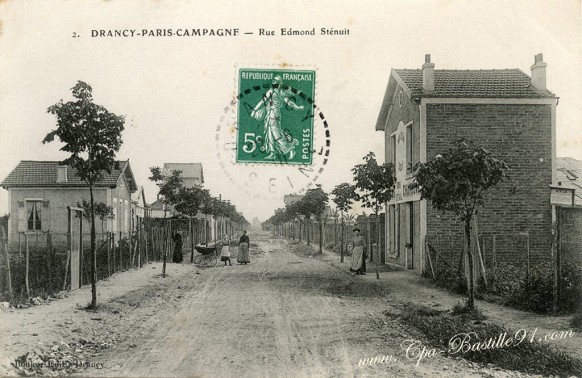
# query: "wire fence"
{"points": [[39, 264]]}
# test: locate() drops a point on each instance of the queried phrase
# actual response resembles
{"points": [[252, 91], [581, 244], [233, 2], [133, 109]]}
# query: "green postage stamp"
{"points": [[275, 116]]}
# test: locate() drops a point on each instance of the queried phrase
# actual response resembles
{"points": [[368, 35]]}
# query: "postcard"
{"points": [[306, 188]]}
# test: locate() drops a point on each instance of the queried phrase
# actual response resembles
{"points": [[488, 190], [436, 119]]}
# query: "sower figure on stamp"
{"points": [[225, 250], [358, 265], [244, 256], [277, 141]]}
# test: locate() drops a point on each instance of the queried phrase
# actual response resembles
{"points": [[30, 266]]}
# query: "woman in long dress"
{"points": [[225, 250], [358, 257], [244, 257]]}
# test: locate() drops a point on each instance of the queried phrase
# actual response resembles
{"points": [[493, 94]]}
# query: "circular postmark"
{"points": [[272, 138]]}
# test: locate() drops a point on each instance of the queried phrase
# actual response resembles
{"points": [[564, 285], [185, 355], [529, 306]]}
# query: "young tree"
{"points": [[185, 201], [207, 209], [169, 186], [455, 182], [169, 190], [293, 213], [314, 203], [335, 214], [92, 135], [376, 182], [344, 196], [102, 211]]}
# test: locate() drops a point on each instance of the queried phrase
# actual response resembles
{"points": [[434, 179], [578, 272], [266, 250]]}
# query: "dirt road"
{"points": [[283, 315]]}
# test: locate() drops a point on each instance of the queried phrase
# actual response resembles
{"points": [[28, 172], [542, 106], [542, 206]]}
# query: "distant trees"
{"points": [[454, 182], [312, 204], [190, 200], [92, 136]]}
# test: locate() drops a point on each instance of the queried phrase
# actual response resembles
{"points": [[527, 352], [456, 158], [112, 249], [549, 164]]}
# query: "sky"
{"points": [[176, 92]]}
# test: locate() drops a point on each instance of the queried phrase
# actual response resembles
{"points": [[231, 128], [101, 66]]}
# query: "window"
{"points": [[34, 215], [400, 98], [409, 149]]}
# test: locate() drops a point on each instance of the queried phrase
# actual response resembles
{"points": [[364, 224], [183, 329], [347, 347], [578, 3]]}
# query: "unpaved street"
{"points": [[283, 315]]}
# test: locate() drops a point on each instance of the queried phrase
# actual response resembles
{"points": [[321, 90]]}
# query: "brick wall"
{"points": [[521, 136]]}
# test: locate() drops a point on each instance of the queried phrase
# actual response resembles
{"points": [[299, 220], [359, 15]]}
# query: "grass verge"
{"points": [[460, 336]]}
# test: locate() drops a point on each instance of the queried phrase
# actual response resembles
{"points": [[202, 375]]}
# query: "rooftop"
{"points": [[29, 174], [507, 83]]}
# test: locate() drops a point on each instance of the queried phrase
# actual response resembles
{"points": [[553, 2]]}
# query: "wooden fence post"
{"points": [[7, 254], [67, 268], [120, 252], [27, 267], [49, 248]]}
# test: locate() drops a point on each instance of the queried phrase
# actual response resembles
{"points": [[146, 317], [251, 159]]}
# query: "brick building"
{"points": [[505, 111]]}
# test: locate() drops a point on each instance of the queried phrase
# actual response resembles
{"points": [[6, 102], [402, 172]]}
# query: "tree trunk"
{"points": [[7, 256], [300, 230], [471, 286], [335, 233], [342, 239], [93, 252], [206, 229], [26, 279], [164, 249], [308, 230], [320, 235]]}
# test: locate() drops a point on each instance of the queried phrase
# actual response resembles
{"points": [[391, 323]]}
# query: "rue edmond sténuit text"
{"points": [[221, 32]]}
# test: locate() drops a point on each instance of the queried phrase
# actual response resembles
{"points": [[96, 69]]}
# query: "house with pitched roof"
{"points": [[191, 173], [505, 111], [41, 191]]}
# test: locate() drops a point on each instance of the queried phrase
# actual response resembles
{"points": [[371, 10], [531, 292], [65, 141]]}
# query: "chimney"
{"points": [[428, 74], [62, 173], [538, 73]]}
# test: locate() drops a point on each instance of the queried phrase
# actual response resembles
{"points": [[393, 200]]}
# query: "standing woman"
{"points": [[358, 257], [244, 257], [177, 257], [225, 251]]}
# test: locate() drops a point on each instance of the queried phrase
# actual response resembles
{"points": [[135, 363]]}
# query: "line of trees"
{"points": [[91, 135], [454, 181], [190, 201]]}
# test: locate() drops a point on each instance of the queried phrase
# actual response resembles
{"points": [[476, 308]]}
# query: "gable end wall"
{"points": [[521, 135]]}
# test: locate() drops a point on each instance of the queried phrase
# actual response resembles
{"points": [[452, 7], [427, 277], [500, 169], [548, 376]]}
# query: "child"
{"points": [[225, 251]]}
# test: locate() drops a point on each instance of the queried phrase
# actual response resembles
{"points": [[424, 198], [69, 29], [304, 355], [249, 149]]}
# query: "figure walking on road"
{"points": [[244, 256], [358, 256], [225, 250]]}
